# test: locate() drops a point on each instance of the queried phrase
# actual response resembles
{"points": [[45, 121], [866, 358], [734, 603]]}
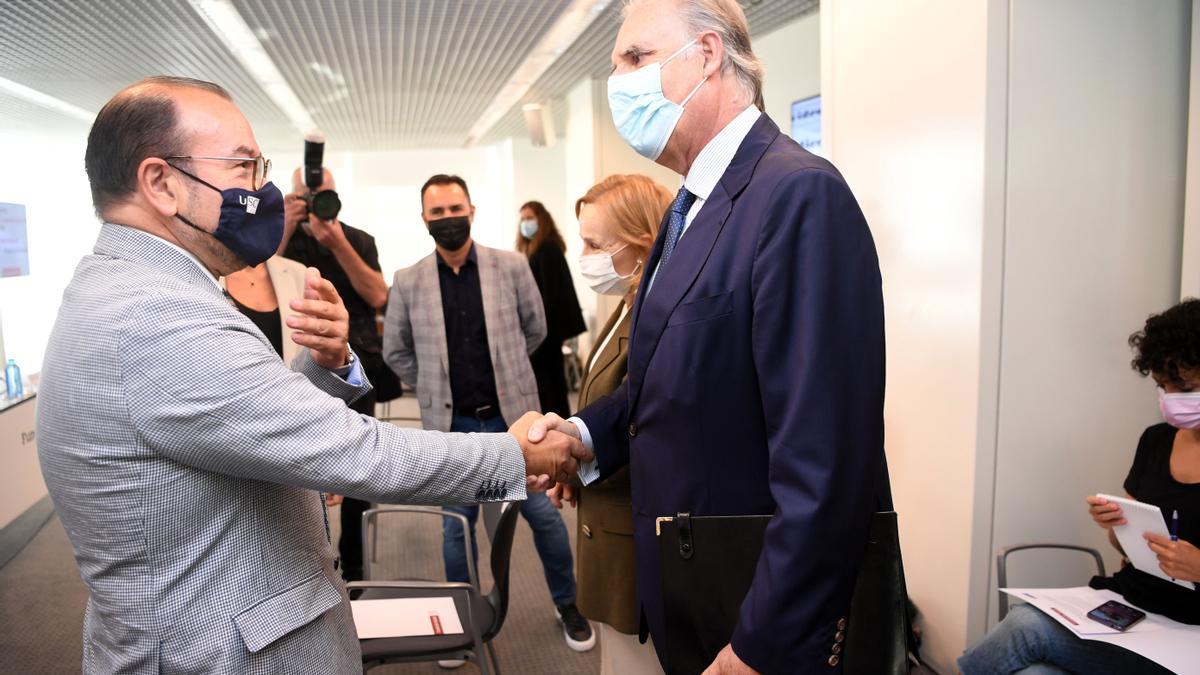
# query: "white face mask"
{"points": [[528, 228], [643, 115], [600, 273]]}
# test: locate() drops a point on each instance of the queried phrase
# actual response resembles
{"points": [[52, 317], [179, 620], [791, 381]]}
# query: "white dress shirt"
{"points": [[710, 165]]}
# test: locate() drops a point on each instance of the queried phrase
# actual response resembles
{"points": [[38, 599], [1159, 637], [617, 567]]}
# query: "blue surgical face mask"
{"points": [[528, 228], [251, 223], [643, 115]]}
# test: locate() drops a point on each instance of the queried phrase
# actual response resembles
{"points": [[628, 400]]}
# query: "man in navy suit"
{"points": [[756, 364]]}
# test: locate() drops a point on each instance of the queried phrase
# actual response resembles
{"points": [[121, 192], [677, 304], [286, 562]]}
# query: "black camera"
{"points": [[324, 204]]}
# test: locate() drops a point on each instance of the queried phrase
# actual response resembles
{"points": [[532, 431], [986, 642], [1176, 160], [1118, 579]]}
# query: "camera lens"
{"points": [[325, 205]]}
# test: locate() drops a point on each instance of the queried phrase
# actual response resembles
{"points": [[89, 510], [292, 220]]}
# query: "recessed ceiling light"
{"points": [[46, 101], [243, 43], [565, 31]]}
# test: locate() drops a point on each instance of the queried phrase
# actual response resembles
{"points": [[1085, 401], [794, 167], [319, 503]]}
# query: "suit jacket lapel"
{"points": [[431, 291], [612, 351], [673, 282], [654, 307], [489, 284]]}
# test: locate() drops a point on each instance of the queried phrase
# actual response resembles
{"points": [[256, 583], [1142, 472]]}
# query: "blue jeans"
{"points": [[1030, 643], [549, 533]]}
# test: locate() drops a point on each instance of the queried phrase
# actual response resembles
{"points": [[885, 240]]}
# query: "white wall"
{"points": [[1190, 276], [1092, 246], [61, 227], [1024, 183], [791, 55], [911, 146]]}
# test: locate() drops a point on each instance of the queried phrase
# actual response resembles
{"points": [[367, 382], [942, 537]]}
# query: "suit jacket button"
{"points": [[837, 648], [841, 624], [834, 661], [587, 531], [632, 429], [840, 636], [447, 405]]}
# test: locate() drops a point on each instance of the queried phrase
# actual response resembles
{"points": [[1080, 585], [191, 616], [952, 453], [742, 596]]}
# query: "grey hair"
{"points": [[728, 21]]}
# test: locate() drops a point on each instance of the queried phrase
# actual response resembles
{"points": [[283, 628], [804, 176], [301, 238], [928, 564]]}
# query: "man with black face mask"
{"points": [[460, 326], [183, 456]]}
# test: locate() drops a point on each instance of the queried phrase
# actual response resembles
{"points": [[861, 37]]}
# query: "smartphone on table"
{"points": [[1116, 615]]}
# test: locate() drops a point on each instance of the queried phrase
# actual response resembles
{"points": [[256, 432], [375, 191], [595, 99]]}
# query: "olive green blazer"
{"points": [[605, 560]]}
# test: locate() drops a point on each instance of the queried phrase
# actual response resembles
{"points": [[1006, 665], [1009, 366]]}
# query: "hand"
{"points": [[295, 210], [548, 460], [321, 322], [552, 422], [332, 500], [1178, 559], [563, 492], [328, 233], [728, 663], [1106, 514]]}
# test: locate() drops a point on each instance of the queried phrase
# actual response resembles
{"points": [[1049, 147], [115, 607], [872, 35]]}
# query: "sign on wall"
{"points": [[806, 123], [14, 245]]}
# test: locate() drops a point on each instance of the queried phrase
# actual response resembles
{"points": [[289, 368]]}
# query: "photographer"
{"points": [[347, 257]]}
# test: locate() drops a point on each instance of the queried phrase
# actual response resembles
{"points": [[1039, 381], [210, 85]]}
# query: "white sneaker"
{"points": [[576, 629], [451, 664]]}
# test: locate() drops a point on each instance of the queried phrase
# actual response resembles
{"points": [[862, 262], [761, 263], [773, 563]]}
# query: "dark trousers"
{"points": [[350, 544], [547, 362], [549, 533]]}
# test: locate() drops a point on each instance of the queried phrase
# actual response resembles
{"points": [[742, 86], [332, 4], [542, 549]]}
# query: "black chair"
{"points": [[482, 616], [1002, 565]]}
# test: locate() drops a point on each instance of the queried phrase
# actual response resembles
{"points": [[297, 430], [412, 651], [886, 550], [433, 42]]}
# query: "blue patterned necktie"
{"points": [[677, 216]]}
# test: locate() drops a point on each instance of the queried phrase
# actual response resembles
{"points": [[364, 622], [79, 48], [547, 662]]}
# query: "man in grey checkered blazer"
{"points": [[415, 333], [181, 454], [460, 327]]}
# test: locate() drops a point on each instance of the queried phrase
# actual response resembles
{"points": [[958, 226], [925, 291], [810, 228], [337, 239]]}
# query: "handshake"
{"points": [[552, 447]]}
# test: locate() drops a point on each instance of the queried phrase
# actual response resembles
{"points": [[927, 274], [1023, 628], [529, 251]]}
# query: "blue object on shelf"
{"points": [[12, 378]]}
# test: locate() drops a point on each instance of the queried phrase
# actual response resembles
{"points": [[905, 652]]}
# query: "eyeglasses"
{"points": [[262, 166]]}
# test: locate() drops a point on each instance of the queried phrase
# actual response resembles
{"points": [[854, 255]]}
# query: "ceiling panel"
{"points": [[83, 51], [379, 73], [21, 116], [590, 56], [374, 74]]}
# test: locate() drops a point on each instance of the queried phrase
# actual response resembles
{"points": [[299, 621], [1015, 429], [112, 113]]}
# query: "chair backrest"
{"points": [[1002, 566], [500, 521]]}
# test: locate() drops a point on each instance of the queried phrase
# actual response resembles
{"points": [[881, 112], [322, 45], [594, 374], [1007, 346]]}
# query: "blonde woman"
{"points": [[618, 221]]}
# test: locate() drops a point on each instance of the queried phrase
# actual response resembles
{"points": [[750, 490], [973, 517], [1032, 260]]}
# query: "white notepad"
{"points": [[1140, 518], [405, 617]]}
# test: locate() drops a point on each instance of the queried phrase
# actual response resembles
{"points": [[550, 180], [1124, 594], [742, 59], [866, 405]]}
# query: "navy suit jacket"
{"points": [[755, 386]]}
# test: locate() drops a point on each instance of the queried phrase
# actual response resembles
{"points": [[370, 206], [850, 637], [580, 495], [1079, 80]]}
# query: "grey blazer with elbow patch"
{"points": [[182, 457]]}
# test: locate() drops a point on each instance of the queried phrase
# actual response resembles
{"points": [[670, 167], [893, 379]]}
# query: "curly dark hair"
{"points": [[1169, 344]]}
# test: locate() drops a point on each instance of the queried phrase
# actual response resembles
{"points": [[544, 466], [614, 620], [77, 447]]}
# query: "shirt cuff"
{"points": [[352, 372], [589, 472]]}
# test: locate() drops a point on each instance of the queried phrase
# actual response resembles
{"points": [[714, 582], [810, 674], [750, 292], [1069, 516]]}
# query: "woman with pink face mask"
{"points": [[1165, 473]]}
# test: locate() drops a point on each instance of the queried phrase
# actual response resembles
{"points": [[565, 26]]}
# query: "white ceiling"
{"points": [[373, 74]]}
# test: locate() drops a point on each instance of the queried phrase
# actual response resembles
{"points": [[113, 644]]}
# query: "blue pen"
{"points": [[1175, 525]]}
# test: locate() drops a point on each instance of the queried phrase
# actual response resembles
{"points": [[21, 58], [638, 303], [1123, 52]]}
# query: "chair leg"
{"points": [[495, 662], [375, 542]]}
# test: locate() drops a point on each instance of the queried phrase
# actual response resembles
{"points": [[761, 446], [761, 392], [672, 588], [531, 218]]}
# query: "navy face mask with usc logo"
{"points": [[251, 223]]}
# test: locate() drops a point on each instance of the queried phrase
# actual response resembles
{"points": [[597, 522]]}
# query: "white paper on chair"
{"points": [[405, 617]]}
